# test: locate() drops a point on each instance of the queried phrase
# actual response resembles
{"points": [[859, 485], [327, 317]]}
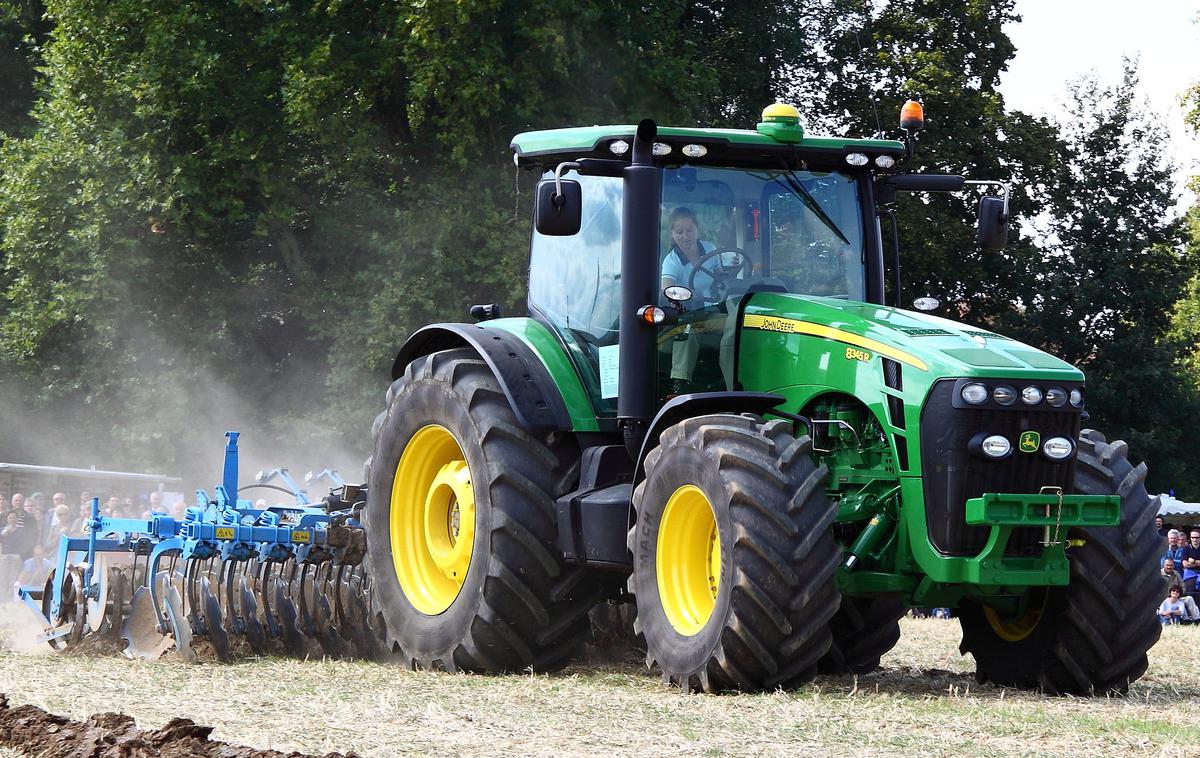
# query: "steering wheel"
{"points": [[722, 276]]}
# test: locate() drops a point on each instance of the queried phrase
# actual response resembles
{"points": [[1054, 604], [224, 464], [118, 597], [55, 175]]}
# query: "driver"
{"points": [[686, 251], [680, 268]]}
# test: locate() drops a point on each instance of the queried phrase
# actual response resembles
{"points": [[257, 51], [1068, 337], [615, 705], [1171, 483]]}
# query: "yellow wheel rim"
{"points": [[1018, 628], [432, 519], [688, 560]]}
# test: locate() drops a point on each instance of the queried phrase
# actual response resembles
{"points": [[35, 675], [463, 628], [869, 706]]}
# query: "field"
{"points": [[924, 701]]}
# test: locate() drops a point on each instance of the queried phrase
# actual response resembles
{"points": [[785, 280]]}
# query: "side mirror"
{"points": [[993, 223], [554, 214]]}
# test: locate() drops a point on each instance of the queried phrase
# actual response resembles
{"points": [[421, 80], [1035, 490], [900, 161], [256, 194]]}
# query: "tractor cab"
{"points": [[733, 212]]}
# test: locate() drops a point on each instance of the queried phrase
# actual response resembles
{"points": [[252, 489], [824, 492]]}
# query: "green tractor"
{"points": [[710, 411]]}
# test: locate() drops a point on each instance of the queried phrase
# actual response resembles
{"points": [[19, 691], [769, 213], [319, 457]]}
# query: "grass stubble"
{"points": [[922, 701]]}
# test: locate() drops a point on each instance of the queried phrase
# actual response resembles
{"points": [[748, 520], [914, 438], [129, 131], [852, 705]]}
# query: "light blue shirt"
{"points": [[676, 266]]}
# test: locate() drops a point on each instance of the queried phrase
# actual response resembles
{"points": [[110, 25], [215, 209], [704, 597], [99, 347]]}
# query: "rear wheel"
{"points": [[734, 556], [1091, 636], [461, 526]]}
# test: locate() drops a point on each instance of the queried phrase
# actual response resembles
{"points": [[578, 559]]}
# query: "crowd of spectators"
{"points": [[31, 527], [1179, 565]]}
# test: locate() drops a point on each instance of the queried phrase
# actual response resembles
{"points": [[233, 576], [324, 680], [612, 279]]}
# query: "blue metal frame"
{"points": [[221, 526]]}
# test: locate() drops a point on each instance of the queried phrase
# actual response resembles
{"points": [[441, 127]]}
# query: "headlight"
{"points": [[974, 393], [1031, 395], [1004, 395], [1056, 396], [990, 446], [996, 446], [1077, 397], [856, 159], [1058, 448]]}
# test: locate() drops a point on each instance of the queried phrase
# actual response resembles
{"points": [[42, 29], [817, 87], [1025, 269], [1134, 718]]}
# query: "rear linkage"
{"points": [[286, 578]]}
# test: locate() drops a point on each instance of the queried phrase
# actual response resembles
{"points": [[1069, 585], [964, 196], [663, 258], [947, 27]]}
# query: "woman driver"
{"points": [[686, 251], [680, 267]]}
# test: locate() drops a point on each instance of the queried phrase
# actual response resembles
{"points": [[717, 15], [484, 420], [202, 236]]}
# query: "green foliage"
{"points": [[1113, 268], [232, 212], [1184, 333], [949, 55], [229, 213]]}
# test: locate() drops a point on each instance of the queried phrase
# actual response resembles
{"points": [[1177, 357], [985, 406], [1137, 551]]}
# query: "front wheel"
{"points": [[864, 629], [1091, 636], [734, 556]]}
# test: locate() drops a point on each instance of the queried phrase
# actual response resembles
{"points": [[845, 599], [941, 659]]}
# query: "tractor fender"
{"points": [[527, 384], [700, 404]]}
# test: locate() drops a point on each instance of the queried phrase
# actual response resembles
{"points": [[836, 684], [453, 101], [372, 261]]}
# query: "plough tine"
{"points": [[292, 640], [181, 628], [231, 601], [262, 590], [322, 616], [214, 624], [351, 622], [248, 607]]}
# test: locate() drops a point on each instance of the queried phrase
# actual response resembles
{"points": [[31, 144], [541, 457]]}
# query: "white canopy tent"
{"points": [[1171, 507]]}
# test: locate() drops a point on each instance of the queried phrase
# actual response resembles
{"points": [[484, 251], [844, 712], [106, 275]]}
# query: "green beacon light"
{"points": [[781, 122]]}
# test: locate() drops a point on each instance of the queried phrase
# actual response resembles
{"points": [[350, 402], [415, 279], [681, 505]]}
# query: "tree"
{"points": [[1185, 316], [1113, 269], [230, 214], [950, 56], [1185, 319]]}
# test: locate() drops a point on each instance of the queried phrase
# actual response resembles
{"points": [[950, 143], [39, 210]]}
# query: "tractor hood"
{"points": [[936, 345]]}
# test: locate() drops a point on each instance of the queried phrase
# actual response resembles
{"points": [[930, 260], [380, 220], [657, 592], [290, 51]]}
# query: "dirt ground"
{"points": [[114, 735], [923, 701]]}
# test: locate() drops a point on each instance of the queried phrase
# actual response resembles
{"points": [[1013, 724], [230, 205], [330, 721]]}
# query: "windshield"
{"points": [[724, 232], [728, 230]]}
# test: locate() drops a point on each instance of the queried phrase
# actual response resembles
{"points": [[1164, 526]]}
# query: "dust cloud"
{"points": [[19, 628], [171, 421]]}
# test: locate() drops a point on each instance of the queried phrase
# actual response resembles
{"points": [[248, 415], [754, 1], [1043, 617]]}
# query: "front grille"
{"points": [[951, 475]]}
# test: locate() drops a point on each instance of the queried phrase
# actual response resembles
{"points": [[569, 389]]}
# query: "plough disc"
{"points": [[140, 628], [181, 628], [214, 623], [285, 609], [256, 636], [97, 607]]}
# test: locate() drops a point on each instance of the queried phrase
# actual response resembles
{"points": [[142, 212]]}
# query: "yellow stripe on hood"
{"points": [[794, 326]]}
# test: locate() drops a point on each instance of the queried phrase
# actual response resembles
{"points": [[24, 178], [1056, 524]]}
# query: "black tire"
{"points": [[519, 607], [1092, 635], [769, 625], [863, 630]]}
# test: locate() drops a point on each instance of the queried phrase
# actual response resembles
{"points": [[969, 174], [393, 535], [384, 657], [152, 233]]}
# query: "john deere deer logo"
{"points": [[1030, 442]]}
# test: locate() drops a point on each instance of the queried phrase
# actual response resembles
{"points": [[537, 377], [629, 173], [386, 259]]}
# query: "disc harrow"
{"points": [[228, 579]]}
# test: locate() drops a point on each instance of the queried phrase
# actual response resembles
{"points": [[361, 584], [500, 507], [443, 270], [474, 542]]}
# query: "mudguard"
{"points": [[531, 391], [699, 404]]}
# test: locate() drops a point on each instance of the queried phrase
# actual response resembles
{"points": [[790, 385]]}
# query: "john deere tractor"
{"points": [[745, 441]]}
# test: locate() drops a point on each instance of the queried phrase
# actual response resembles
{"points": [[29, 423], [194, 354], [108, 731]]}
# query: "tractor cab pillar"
{"points": [[637, 400]]}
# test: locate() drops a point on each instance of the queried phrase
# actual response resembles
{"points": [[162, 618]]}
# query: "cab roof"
{"points": [[722, 145]]}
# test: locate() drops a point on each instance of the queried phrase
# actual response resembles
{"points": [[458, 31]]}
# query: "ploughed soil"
{"points": [[32, 731]]}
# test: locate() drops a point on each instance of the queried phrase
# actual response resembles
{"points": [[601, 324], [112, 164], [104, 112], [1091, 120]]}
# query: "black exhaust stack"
{"points": [[639, 286]]}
